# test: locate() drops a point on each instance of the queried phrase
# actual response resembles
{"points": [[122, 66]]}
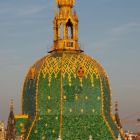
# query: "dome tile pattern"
{"points": [[59, 102]]}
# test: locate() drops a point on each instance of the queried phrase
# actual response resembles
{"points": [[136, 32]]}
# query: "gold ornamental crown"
{"points": [[69, 3]]}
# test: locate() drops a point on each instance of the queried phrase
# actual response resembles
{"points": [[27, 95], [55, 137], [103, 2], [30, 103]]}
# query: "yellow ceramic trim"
{"points": [[26, 78], [120, 130], [103, 110], [72, 62], [36, 108], [20, 116], [30, 129], [61, 95], [94, 67], [102, 71]]}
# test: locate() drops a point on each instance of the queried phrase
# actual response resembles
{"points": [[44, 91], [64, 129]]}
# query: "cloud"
{"points": [[114, 34], [25, 11], [126, 27], [28, 11]]}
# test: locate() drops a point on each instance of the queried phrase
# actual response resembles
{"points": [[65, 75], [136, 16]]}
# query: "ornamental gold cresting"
{"points": [[66, 94]]}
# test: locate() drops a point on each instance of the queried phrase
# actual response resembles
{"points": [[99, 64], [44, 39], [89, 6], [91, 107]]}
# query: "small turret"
{"points": [[11, 124], [65, 27]]}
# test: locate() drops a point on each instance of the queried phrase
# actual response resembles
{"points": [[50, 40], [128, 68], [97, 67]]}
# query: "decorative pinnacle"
{"points": [[116, 106], [68, 3], [11, 105]]}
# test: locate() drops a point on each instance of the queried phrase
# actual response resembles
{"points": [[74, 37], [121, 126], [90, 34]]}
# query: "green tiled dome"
{"points": [[67, 94]]}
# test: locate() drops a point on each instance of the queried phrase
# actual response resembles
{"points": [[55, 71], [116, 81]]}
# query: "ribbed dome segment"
{"points": [[61, 3], [67, 94]]}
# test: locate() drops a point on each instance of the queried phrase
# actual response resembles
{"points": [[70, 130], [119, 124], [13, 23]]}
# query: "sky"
{"points": [[109, 31]]}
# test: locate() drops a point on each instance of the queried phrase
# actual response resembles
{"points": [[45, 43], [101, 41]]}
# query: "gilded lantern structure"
{"points": [[66, 94]]}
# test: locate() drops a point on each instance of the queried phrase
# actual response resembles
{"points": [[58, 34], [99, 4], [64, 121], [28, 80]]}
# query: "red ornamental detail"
{"points": [[80, 72]]}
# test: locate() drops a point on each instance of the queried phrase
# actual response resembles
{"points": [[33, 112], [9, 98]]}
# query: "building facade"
{"points": [[2, 130]]}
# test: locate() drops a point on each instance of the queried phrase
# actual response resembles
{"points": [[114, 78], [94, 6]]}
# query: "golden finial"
{"points": [[61, 3], [65, 28]]}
